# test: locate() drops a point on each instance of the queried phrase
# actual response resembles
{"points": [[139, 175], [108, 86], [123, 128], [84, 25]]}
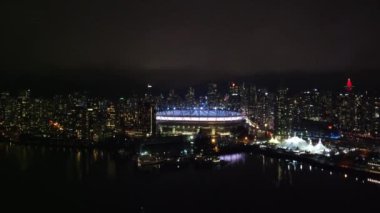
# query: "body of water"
{"points": [[43, 179]]}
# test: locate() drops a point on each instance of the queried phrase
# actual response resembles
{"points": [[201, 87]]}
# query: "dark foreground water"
{"points": [[42, 179]]}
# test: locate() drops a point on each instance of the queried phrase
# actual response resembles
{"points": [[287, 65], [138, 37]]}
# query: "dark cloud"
{"points": [[150, 39]]}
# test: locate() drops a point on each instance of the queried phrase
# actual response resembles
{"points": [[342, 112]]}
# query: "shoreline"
{"points": [[323, 162], [131, 147]]}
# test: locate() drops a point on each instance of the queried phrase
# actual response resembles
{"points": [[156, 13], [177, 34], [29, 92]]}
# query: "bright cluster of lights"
{"points": [[56, 125], [274, 141], [373, 180], [233, 158], [199, 116], [296, 143], [200, 119]]}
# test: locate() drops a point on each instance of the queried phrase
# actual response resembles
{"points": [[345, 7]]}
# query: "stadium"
{"points": [[193, 121]]}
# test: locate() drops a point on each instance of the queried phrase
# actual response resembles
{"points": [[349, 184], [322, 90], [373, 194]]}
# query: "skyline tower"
{"points": [[349, 85]]}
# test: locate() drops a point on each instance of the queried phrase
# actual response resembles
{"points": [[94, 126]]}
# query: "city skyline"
{"points": [[116, 88], [189, 106], [87, 117]]}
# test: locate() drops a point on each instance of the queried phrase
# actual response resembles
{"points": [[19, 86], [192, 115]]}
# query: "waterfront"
{"points": [[62, 179]]}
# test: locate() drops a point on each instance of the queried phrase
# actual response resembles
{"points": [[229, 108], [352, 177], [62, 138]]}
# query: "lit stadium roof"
{"points": [[199, 115]]}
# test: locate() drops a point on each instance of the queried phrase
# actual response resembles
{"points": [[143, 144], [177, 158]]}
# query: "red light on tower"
{"points": [[349, 85]]}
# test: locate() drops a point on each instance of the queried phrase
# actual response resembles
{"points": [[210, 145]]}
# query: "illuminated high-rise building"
{"points": [[347, 108], [234, 98], [375, 130], [190, 97], [283, 119], [111, 117], [251, 100], [212, 95], [264, 109], [234, 89], [173, 99]]}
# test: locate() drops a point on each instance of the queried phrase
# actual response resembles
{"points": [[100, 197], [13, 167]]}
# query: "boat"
{"points": [[146, 160]]}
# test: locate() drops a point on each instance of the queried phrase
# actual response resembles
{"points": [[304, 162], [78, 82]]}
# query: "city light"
{"points": [[200, 119], [199, 116], [190, 106]]}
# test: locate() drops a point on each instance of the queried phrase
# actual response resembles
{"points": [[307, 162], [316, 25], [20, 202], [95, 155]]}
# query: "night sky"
{"points": [[120, 44]]}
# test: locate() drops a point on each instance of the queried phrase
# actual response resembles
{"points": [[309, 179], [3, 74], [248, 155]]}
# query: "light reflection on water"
{"points": [[233, 158], [72, 164], [288, 170], [79, 164], [108, 179]]}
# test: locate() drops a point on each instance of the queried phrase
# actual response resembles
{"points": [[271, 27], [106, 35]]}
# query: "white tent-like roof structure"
{"points": [[294, 143], [297, 143], [274, 141], [320, 148], [309, 147]]}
